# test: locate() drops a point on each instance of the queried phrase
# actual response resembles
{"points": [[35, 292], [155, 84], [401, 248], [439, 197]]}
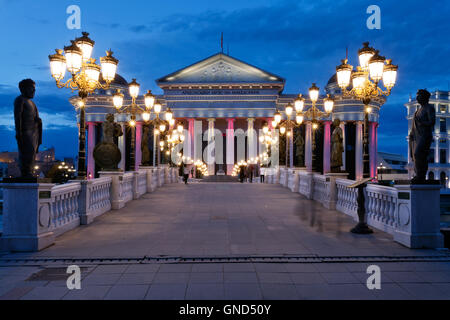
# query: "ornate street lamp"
{"points": [[314, 114], [287, 125], [85, 78], [133, 109], [365, 81]]}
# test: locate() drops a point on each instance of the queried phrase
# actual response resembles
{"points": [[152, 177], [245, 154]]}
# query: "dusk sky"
{"points": [[302, 41]]}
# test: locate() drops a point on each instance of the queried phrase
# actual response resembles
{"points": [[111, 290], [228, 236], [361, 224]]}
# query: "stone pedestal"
{"points": [[419, 216], [26, 217], [117, 201], [330, 202], [160, 174]]}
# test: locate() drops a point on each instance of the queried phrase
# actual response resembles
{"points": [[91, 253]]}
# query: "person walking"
{"points": [[241, 174], [262, 172], [186, 174]]}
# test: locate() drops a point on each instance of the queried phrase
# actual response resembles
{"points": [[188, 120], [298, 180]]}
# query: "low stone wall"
{"points": [[410, 213], [36, 213]]}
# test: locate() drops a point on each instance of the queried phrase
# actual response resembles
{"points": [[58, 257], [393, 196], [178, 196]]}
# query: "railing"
{"points": [[142, 183], [99, 195], [64, 208], [305, 184], [346, 198], [321, 191], [381, 207], [127, 186]]}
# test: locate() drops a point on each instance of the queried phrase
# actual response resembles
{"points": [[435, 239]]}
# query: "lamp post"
{"points": [[314, 114], [85, 78], [133, 109], [287, 125], [365, 81], [175, 137]]}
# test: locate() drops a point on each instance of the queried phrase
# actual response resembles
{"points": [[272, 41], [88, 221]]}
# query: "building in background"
{"points": [[391, 166], [439, 157], [9, 162]]}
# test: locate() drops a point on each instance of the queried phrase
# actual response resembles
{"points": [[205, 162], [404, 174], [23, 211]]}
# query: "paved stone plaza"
{"points": [[216, 221]]}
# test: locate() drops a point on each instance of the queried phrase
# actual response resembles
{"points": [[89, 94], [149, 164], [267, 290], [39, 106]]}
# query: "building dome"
{"points": [[118, 81], [332, 80]]}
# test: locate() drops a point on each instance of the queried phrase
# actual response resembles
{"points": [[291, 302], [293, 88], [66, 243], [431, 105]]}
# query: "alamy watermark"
{"points": [[74, 280], [374, 280], [74, 19], [374, 20]]}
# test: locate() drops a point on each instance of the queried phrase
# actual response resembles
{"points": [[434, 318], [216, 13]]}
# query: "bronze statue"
{"points": [[337, 147], [106, 154], [421, 135], [299, 148], [144, 145], [28, 127]]}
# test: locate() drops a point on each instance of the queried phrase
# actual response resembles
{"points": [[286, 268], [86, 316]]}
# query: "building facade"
{"points": [[439, 157], [221, 96]]}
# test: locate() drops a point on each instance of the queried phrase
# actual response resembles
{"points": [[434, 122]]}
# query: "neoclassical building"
{"points": [[225, 95], [439, 157]]}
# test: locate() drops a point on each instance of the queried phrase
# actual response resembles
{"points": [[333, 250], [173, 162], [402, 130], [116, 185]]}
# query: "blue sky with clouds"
{"points": [[301, 41]]}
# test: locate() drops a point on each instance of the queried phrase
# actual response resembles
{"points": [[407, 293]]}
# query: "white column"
{"points": [[230, 145], [121, 142], [359, 151], [342, 126], [251, 140], [189, 141], [308, 146], [436, 149], [211, 155], [198, 140]]}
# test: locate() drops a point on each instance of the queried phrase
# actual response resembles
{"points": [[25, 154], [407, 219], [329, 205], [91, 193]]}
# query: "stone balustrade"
{"points": [[410, 213], [50, 210]]}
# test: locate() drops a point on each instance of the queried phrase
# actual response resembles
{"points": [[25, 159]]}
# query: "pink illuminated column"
{"points": [[191, 137], [138, 157], [359, 151], [326, 146], [91, 146], [373, 141], [230, 145]]}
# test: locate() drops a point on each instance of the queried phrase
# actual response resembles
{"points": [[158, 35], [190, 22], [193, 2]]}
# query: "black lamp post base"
{"points": [[361, 228]]}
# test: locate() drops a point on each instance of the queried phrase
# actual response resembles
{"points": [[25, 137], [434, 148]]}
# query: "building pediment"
{"points": [[220, 69]]}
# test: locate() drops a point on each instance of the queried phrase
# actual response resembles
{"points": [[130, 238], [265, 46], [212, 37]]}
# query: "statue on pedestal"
{"points": [[421, 135], [337, 147], [299, 148], [106, 154], [146, 161], [28, 127]]}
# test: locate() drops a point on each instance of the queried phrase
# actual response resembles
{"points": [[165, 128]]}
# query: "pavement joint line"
{"points": [[220, 259]]}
